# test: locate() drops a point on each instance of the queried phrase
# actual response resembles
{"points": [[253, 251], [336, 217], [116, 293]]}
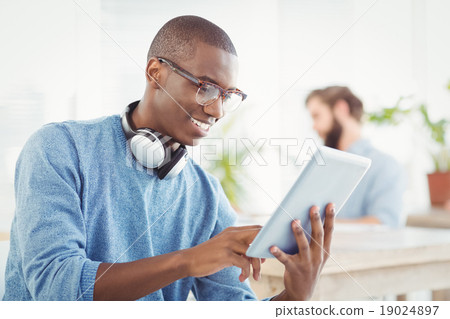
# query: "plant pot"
{"points": [[439, 186]]}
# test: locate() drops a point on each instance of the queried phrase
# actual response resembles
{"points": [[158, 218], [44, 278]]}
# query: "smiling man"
{"points": [[90, 226]]}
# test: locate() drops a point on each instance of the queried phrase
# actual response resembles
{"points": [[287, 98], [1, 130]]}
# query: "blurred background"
{"points": [[79, 59]]}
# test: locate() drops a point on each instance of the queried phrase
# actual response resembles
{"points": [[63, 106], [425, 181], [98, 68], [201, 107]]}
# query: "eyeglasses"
{"points": [[208, 92]]}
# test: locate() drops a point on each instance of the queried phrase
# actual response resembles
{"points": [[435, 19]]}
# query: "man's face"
{"points": [[322, 116], [209, 64], [325, 123]]}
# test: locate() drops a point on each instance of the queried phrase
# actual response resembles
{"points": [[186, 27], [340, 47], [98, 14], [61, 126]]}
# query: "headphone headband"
{"points": [[125, 119]]}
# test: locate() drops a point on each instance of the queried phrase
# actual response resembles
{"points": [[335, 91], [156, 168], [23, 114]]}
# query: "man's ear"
{"points": [[153, 72], [341, 110]]}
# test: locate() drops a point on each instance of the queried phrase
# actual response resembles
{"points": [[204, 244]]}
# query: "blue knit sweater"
{"points": [[81, 199]]}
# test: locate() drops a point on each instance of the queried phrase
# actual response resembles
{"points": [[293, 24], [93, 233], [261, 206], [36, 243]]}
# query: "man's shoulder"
{"points": [[382, 158], [383, 164], [55, 132], [365, 148], [58, 139], [103, 125]]}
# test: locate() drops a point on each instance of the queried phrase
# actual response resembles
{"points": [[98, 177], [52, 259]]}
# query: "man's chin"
{"points": [[195, 142], [189, 142]]}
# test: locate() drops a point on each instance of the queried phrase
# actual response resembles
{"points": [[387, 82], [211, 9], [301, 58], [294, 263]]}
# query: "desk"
{"points": [[436, 218], [380, 262]]}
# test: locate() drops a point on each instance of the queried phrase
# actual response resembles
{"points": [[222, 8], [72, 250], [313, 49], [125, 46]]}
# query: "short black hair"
{"points": [[177, 39]]}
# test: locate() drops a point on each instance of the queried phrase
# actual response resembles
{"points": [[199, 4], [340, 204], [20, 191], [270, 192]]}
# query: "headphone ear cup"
{"points": [[175, 165], [150, 148], [147, 148]]}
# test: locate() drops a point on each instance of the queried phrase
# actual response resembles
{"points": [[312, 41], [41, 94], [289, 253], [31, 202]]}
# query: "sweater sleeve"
{"points": [[225, 284], [50, 225]]}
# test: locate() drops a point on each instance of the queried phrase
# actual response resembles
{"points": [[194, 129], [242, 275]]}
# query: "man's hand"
{"points": [[302, 270], [136, 279], [224, 250]]}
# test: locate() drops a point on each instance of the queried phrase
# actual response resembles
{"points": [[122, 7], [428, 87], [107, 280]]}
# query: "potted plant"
{"points": [[439, 147], [439, 180]]}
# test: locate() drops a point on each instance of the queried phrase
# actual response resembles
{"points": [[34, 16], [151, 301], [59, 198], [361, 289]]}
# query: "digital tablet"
{"points": [[330, 176]]}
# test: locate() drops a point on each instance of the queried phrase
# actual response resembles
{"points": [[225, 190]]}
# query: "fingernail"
{"points": [[274, 250]]}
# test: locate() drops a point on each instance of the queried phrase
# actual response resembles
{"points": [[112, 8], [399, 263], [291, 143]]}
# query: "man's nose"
{"points": [[215, 109]]}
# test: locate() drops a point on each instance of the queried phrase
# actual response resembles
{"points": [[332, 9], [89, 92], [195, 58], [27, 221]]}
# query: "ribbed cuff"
{"points": [[87, 280]]}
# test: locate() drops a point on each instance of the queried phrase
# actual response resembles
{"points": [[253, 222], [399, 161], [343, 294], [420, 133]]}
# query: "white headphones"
{"points": [[151, 149]]}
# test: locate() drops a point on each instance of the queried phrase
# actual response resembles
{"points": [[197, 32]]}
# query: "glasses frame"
{"points": [[187, 75]]}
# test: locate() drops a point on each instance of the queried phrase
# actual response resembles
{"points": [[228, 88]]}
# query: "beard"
{"points": [[334, 135]]}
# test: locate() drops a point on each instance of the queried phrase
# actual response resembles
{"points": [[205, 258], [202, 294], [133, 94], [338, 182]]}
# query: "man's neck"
{"points": [[140, 113], [350, 134]]}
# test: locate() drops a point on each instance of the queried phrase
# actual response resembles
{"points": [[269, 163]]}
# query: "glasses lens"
{"points": [[231, 102], [207, 94]]}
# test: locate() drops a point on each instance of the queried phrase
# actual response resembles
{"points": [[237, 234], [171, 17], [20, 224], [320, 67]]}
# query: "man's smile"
{"points": [[200, 124]]}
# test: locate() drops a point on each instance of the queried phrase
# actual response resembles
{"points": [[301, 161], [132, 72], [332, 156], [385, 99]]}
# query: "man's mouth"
{"points": [[202, 125]]}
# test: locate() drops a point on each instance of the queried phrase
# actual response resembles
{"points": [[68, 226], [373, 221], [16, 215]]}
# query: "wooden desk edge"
{"points": [[366, 259]]}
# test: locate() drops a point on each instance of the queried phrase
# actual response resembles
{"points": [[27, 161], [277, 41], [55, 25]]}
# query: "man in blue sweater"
{"points": [[94, 222]]}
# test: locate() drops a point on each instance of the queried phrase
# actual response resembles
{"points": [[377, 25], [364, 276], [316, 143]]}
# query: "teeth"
{"points": [[200, 124]]}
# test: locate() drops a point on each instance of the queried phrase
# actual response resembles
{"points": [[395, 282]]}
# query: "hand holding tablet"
{"points": [[295, 234], [302, 270], [329, 177]]}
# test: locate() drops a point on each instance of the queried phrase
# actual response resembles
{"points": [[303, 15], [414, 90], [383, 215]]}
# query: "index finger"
{"points": [[244, 228], [245, 234]]}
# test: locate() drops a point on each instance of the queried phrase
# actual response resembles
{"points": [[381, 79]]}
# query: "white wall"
{"points": [[58, 64], [37, 63]]}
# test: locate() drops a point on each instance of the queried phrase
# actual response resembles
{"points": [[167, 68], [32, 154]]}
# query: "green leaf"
{"points": [[389, 115]]}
